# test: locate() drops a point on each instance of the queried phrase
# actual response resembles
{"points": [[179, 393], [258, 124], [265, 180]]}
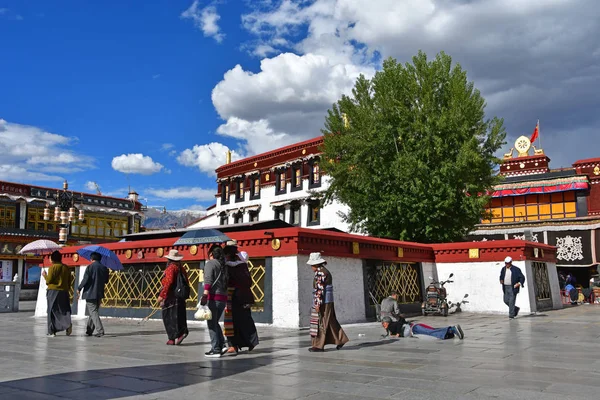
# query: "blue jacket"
{"points": [[517, 276]]}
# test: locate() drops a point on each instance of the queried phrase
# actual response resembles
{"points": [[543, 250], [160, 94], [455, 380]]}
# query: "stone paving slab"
{"points": [[552, 356]]}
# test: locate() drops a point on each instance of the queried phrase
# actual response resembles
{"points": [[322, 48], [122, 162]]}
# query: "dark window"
{"points": [[297, 178], [239, 191], [280, 185], [223, 220], [238, 218], [255, 187], [280, 213], [295, 215], [253, 216], [315, 175], [225, 193], [314, 214]]}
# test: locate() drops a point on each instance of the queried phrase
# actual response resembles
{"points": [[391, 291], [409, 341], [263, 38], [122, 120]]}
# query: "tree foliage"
{"points": [[410, 151]]}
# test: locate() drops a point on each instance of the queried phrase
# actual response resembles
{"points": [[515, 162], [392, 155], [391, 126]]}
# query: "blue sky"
{"points": [[161, 89]]}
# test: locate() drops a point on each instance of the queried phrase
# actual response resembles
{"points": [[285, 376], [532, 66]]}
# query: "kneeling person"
{"points": [[402, 328]]}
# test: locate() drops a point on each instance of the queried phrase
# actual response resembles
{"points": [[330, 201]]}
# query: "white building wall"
{"points": [[428, 270], [329, 216], [481, 281], [285, 292], [555, 286], [348, 289]]}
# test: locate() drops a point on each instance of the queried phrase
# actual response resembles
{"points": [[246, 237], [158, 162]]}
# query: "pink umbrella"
{"points": [[40, 247]]}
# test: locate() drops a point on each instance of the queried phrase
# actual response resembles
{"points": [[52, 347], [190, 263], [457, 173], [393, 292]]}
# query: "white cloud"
{"points": [[61, 158], [182, 192], [25, 147], [205, 19], [283, 103], [167, 146], [89, 185], [20, 174], [207, 157], [531, 59], [136, 164]]}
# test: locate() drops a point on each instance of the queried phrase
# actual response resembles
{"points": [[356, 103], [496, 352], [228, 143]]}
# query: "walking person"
{"points": [[92, 286], [58, 280], [511, 279], [174, 314], [325, 327], [244, 329], [215, 295]]}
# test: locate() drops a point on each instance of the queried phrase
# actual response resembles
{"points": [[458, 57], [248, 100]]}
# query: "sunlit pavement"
{"points": [[551, 356]]}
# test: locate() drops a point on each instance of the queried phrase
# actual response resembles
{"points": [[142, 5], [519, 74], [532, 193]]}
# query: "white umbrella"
{"points": [[40, 247]]}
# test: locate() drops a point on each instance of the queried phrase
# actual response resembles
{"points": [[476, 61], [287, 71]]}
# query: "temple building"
{"points": [[29, 213], [282, 184], [558, 207]]}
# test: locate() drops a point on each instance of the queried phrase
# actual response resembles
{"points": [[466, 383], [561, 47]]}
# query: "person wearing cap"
{"points": [[325, 328], [173, 308], [403, 328], [511, 279]]}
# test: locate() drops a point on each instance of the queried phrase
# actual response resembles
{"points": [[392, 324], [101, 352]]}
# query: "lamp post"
{"points": [[64, 211]]}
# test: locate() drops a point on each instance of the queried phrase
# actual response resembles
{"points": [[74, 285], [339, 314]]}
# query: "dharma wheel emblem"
{"points": [[522, 145]]}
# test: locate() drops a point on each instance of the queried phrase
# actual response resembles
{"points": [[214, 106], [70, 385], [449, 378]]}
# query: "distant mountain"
{"points": [[157, 219]]}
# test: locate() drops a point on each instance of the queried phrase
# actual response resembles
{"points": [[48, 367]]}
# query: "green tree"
{"points": [[411, 153]]}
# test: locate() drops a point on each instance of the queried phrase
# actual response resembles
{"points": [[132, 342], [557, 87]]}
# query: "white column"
{"points": [[22, 214], [41, 306], [286, 306], [81, 302]]}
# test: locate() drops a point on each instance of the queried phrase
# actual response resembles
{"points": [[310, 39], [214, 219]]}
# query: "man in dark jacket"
{"points": [[92, 285], [511, 279]]}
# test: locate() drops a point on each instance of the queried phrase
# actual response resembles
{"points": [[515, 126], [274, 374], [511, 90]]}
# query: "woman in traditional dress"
{"points": [[325, 329], [244, 329], [173, 308], [58, 280]]}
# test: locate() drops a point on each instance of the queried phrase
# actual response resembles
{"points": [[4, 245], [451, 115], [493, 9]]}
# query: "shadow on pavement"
{"points": [[113, 383]]}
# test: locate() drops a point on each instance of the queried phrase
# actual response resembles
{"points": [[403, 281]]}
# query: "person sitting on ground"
{"points": [[390, 308], [403, 328]]}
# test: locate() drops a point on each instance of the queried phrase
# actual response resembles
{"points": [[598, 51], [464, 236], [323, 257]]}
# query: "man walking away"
{"points": [[511, 279], [58, 280], [389, 307], [92, 285]]}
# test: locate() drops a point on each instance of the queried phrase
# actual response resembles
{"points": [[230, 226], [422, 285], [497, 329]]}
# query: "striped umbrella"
{"points": [[40, 247]]}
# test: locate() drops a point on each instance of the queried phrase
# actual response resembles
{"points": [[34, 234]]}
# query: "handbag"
{"points": [[203, 313]]}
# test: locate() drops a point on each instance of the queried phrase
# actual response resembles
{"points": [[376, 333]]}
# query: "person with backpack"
{"points": [[173, 295]]}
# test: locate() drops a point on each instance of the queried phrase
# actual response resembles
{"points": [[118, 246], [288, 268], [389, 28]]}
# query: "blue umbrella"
{"points": [[202, 236], [109, 259]]}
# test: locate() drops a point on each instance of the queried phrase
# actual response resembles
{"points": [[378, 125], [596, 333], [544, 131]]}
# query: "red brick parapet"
{"points": [[493, 251]]}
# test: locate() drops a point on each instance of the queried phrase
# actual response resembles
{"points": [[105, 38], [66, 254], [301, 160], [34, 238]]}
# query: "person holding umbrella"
{"points": [[173, 307], [58, 279], [92, 285]]}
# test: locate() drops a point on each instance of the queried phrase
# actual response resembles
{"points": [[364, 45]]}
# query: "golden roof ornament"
{"points": [[522, 145], [346, 121]]}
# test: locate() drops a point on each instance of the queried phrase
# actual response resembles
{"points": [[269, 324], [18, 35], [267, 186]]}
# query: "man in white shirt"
{"points": [[511, 279]]}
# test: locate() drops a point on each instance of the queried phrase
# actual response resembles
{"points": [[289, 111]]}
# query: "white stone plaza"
{"points": [[550, 356]]}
